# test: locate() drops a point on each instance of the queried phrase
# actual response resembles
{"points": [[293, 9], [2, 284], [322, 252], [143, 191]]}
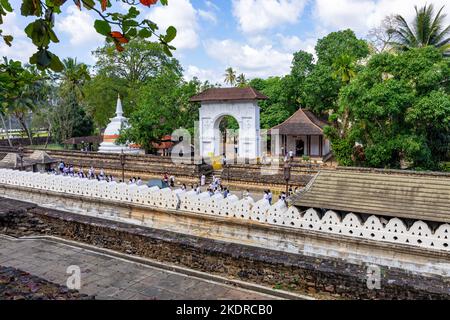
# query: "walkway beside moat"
{"points": [[110, 277]]}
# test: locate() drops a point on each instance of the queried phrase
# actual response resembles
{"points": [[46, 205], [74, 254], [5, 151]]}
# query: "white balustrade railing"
{"points": [[349, 224]]}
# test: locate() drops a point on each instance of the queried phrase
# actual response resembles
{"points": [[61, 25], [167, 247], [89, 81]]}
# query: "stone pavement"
{"points": [[108, 277]]}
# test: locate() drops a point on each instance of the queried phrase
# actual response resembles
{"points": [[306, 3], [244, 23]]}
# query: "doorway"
{"points": [[299, 148]]}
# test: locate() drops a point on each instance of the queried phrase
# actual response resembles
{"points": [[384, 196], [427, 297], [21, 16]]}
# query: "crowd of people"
{"points": [[70, 171], [215, 187]]}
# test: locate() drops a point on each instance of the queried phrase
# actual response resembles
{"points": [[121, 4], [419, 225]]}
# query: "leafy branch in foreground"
{"points": [[117, 28]]}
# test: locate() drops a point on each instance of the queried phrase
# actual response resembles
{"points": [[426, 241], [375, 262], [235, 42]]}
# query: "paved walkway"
{"points": [[108, 277]]}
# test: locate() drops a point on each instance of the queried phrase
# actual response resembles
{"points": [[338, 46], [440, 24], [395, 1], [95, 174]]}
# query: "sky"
{"points": [[255, 37]]}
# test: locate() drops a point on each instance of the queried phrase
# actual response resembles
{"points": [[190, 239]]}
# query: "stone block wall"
{"points": [[319, 277]]}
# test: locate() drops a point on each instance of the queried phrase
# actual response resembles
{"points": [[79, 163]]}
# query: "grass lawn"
{"points": [[51, 146]]}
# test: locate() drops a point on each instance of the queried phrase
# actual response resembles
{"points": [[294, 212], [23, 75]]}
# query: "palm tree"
{"points": [[241, 80], [70, 99], [344, 68], [230, 76], [427, 29], [73, 77]]}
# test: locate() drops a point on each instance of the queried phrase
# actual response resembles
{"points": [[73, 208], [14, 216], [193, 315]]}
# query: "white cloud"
{"points": [[208, 15], [202, 74], [253, 61], [183, 16], [294, 43], [258, 15], [22, 48], [79, 25], [362, 15]]}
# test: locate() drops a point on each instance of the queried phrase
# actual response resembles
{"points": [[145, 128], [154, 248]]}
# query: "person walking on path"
{"points": [[269, 196], [202, 180]]}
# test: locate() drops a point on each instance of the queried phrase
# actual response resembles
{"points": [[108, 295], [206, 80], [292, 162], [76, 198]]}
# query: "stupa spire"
{"points": [[119, 110]]}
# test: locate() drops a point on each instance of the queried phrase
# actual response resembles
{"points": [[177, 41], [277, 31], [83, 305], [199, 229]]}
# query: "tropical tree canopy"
{"points": [[230, 76], [399, 107], [427, 29]]}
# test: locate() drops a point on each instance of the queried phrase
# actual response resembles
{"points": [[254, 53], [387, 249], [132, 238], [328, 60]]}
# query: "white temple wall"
{"points": [[391, 230]]}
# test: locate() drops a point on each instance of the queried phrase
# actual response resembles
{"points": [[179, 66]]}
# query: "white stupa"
{"points": [[112, 133]]}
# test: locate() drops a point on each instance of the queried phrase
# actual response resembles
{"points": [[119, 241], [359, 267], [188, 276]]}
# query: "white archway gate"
{"points": [[239, 103]]}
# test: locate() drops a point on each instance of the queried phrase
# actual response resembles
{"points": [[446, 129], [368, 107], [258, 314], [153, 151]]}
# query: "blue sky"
{"points": [[255, 37]]}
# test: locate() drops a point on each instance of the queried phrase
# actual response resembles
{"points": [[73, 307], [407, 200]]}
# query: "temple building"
{"points": [[112, 132], [302, 133]]}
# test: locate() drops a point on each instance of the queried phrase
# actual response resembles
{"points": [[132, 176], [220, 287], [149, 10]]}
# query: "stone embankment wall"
{"points": [[373, 228], [23, 141], [144, 166], [150, 166], [320, 277], [269, 175]]}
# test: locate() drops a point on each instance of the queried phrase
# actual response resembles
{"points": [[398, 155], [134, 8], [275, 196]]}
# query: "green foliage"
{"points": [[139, 61], [230, 76], [427, 29], [124, 73], [277, 108], [118, 28], [400, 108], [20, 92], [338, 44], [68, 118], [162, 106], [101, 97], [337, 54]]}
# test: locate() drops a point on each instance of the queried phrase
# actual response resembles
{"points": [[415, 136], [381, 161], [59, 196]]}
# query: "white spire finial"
{"points": [[119, 111]]}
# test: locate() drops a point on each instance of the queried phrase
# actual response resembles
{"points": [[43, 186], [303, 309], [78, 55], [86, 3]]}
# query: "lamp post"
{"points": [[287, 174], [122, 163], [20, 149]]}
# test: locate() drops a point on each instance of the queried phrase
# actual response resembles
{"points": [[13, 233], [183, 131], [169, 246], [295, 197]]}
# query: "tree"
{"points": [[320, 89], [427, 29], [140, 61], [162, 106], [340, 43], [73, 77], [344, 69], [101, 96], [230, 76], [68, 117], [124, 73], [241, 81], [20, 93], [126, 26], [380, 37], [277, 108], [400, 111]]}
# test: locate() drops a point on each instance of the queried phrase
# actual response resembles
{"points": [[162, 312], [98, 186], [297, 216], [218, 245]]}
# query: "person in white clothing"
{"points": [[202, 180]]}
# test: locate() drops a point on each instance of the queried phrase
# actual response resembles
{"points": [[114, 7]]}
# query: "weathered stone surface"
{"points": [[19, 285], [301, 273], [267, 175]]}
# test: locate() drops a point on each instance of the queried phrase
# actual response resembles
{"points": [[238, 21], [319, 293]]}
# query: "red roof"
{"points": [[229, 94], [166, 143], [302, 122]]}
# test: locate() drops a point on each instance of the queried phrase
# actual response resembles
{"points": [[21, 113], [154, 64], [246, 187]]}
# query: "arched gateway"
{"points": [[239, 103]]}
